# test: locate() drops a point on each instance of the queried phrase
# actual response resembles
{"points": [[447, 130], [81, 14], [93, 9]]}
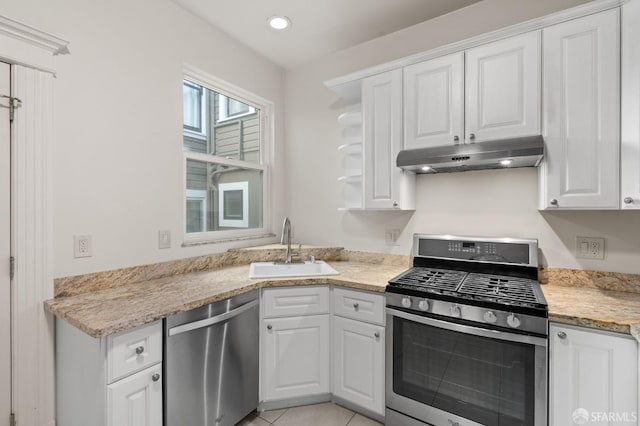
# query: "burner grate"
{"points": [[435, 279], [500, 288]]}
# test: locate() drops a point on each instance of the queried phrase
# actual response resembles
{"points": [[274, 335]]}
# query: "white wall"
{"points": [[485, 203], [117, 165]]}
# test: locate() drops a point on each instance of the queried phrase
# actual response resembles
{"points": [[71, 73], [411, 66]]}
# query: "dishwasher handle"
{"points": [[207, 322]]}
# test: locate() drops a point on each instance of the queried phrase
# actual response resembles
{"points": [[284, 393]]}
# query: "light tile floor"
{"points": [[327, 414]]}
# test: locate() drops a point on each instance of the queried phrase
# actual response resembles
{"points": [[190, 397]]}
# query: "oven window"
{"points": [[484, 380]]}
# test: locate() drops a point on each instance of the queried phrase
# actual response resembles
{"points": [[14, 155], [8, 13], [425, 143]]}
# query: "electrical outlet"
{"points": [[82, 246], [391, 236], [590, 248], [164, 239]]}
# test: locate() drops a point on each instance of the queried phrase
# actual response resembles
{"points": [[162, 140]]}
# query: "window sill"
{"points": [[228, 240]]}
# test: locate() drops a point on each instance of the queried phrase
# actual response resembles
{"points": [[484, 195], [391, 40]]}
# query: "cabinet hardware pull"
{"points": [[456, 138], [472, 136], [376, 334], [155, 377], [628, 200], [553, 202], [269, 326], [139, 350], [562, 334], [355, 306]]}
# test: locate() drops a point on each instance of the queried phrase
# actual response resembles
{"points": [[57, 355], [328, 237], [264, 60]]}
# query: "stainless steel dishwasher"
{"points": [[211, 363]]}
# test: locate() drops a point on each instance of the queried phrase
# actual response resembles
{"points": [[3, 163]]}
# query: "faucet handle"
{"points": [[312, 259]]}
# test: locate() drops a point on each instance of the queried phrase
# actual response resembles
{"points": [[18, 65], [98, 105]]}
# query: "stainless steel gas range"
{"points": [[467, 330]]}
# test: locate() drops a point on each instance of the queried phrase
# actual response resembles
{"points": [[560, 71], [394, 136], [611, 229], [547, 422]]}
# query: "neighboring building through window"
{"points": [[224, 145]]}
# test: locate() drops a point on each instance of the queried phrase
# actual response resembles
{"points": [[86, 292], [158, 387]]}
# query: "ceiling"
{"points": [[319, 27]]}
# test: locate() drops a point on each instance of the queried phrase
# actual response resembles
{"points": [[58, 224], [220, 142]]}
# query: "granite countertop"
{"points": [[105, 311], [595, 308], [109, 311]]}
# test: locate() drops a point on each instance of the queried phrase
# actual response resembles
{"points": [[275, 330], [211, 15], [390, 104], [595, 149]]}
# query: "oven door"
{"points": [[450, 374]]}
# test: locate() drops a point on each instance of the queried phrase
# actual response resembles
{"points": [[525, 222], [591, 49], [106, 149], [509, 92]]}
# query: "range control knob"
{"points": [[513, 321], [490, 317], [455, 311], [406, 302], [423, 305]]}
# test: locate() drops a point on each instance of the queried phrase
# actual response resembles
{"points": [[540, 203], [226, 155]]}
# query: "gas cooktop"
{"points": [[487, 280]]}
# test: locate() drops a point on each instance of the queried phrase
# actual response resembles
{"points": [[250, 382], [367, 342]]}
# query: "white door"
{"points": [[358, 363], [296, 358], [581, 113], [382, 123], [5, 249], [503, 89], [433, 102], [136, 400], [630, 137], [591, 373]]}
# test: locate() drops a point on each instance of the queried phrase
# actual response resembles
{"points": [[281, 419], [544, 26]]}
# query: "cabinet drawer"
{"points": [[133, 350], [359, 305], [292, 301]]}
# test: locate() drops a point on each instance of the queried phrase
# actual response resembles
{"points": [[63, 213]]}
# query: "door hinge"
{"points": [[12, 267], [12, 419], [14, 103]]}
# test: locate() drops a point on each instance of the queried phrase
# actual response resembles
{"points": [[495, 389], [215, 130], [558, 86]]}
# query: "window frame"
{"points": [[265, 106]]}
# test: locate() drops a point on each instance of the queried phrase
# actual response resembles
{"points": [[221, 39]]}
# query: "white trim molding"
{"points": [[28, 46], [33, 366]]}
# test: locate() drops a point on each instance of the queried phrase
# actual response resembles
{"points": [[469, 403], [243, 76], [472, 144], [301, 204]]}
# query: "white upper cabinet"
{"points": [[581, 122], [486, 93], [434, 102], [385, 185], [630, 142], [502, 84]]}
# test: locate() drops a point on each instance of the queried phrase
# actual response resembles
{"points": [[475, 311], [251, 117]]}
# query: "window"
{"points": [[231, 108], [225, 145]]}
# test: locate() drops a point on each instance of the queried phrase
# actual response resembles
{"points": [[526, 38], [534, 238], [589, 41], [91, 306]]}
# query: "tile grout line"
{"points": [[351, 418]]}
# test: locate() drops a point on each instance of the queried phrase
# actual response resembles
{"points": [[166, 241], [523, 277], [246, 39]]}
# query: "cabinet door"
{"points": [[382, 123], [296, 357], [593, 371], [358, 363], [503, 89], [581, 113], [433, 102], [136, 400], [630, 138]]}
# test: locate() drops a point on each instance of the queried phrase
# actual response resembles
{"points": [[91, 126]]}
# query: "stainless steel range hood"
{"points": [[498, 154]]}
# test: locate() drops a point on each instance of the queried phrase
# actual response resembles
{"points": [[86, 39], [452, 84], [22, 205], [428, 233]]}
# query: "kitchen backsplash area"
{"points": [[87, 283]]}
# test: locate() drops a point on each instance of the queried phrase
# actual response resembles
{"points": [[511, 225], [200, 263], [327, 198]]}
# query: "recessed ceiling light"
{"points": [[426, 168], [279, 23], [506, 162]]}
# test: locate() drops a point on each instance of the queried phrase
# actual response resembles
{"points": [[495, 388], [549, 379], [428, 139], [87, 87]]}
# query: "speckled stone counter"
{"points": [[104, 303], [108, 311], [595, 308]]}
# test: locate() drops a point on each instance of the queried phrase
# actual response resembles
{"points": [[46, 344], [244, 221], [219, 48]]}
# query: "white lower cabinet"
{"points": [[330, 343], [136, 400], [296, 357], [593, 377], [295, 344], [358, 363], [110, 381]]}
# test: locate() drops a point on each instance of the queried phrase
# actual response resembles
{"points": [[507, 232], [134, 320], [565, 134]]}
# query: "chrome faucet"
{"points": [[286, 229]]}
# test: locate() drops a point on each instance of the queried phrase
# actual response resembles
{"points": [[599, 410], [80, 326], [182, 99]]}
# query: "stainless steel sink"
{"points": [[283, 270]]}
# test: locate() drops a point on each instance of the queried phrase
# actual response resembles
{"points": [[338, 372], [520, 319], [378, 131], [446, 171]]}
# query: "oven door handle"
{"points": [[468, 329]]}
